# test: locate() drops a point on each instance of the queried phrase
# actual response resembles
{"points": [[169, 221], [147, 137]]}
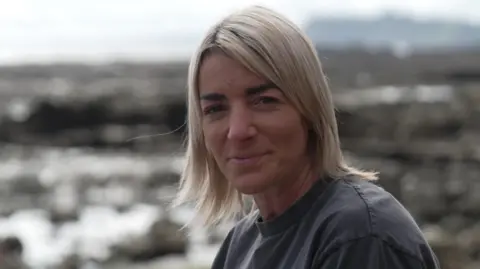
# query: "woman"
{"points": [[262, 125]]}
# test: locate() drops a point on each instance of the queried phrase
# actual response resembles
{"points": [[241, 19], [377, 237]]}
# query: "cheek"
{"points": [[212, 138], [290, 136]]}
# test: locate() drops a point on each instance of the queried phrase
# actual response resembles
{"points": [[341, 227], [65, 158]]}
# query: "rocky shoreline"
{"points": [[91, 156]]}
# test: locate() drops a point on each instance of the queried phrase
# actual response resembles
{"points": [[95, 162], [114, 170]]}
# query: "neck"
{"points": [[278, 199]]}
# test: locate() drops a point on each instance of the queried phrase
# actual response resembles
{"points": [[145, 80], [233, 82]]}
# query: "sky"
{"points": [[104, 29]]}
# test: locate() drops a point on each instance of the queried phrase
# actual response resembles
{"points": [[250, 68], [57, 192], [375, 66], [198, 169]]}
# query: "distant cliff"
{"points": [[390, 31]]}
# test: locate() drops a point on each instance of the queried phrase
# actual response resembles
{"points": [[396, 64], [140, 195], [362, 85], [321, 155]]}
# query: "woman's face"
{"points": [[256, 136]]}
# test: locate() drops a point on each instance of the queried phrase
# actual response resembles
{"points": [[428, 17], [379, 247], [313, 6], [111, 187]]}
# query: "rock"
{"points": [[470, 202], [423, 194], [164, 237], [469, 239], [107, 121], [454, 223], [11, 250], [446, 247], [27, 184], [64, 203], [74, 261], [10, 245], [162, 178], [60, 215], [70, 262], [175, 115], [160, 187], [473, 265]]}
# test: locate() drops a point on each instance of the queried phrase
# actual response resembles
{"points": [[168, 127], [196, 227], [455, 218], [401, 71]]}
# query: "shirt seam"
{"points": [[371, 214], [372, 227], [340, 245]]}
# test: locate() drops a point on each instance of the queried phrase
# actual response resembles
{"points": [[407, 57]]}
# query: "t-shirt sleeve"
{"points": [[221, 257], [371, 253]]}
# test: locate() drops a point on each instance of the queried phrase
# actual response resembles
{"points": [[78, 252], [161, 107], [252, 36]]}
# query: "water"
{"points": [[97, 229], [99, 226]]}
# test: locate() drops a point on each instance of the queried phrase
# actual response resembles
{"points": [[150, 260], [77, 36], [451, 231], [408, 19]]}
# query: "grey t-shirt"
{"points": [[345, 223]]}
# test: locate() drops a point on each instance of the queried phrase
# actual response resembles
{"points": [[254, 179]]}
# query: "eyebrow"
{"points": [[255, 90]]}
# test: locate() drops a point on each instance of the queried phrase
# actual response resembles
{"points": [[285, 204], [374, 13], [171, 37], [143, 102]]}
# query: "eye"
{"points": [[212, 109], [266, 100]]}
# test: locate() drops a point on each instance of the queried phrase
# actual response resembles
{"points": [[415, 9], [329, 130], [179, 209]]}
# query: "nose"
{"points": [[240, 124]]}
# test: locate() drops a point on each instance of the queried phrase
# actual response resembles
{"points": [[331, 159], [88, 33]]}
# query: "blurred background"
{"points": [[87, 87]]}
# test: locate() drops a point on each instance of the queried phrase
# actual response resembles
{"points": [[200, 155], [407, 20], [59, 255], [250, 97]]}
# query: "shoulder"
{"points": [[373, 253], [355, 209]]}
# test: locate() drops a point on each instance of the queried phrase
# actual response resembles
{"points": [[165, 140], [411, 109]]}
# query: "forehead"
{"points": [[220, 73]]}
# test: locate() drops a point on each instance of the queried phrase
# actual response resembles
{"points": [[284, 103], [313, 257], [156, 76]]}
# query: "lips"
{"points": [[247, 159]]}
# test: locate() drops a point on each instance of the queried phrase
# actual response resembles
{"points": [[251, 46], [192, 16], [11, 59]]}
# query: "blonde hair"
{"points": [[271, 46]]}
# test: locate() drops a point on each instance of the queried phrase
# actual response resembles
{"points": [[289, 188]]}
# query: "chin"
{"points": [[250, 184]]}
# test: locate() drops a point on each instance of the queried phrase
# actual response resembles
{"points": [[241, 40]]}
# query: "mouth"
{"points": [[247, 159]]}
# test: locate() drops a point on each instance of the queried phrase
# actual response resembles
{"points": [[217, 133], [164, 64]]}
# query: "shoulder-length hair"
{"points": [[273, 47]]}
